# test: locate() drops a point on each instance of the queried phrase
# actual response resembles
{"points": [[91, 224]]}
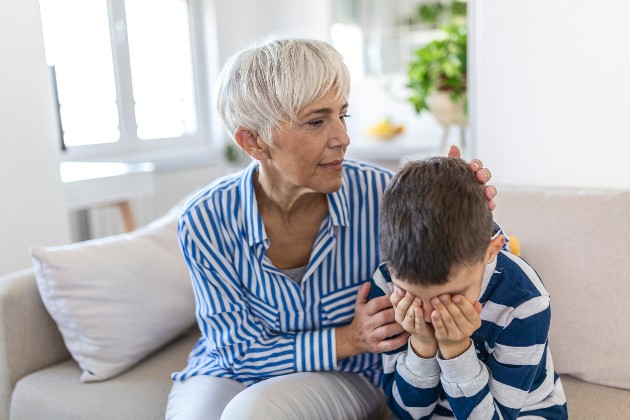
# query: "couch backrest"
{"points": [[579, 243]]}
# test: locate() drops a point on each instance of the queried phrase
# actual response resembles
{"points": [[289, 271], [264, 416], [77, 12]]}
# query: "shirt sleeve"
{"points": [[411, 383], [514, 372], [243, 340]]}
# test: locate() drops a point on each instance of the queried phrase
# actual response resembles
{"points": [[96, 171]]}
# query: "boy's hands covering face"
{"points": [[454, 319], [409, 314]]}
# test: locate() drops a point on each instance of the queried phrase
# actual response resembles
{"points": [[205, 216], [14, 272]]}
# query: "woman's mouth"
{"points": [[333, 165]]}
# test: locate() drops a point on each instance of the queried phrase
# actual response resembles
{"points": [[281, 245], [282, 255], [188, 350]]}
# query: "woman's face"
{"points": [[308, 153]]}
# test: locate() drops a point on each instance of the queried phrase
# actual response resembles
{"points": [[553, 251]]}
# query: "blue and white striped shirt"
{"points": [[256, 322], [507, 373]]}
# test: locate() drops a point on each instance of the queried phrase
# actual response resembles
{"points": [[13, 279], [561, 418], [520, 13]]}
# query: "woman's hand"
{"points": [[483, 175], [373, 329]]}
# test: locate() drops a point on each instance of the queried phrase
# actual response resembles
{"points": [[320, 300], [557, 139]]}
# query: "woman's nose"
{"points": [[340, 135]]}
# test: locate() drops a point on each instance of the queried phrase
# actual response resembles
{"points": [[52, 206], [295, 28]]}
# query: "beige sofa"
{"points": [[577, 240]]}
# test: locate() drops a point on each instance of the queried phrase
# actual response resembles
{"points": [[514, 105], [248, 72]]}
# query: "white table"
{"points": [[94, 184]]}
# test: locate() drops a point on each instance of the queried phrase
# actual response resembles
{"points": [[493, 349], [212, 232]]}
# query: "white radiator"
{"points": [[170, 188]]}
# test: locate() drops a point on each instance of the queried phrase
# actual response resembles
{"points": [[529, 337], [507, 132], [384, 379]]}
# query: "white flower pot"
{"points": [[448, 112], [445, 110]]}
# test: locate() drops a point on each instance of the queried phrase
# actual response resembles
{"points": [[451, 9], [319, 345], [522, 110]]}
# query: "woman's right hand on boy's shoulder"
{"points": [[409, 314], [373, 328]]}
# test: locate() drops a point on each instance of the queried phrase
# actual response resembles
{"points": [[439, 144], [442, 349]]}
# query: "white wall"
{"points": [[32, 206], [240, 22], [550, 93], [235, 24]]}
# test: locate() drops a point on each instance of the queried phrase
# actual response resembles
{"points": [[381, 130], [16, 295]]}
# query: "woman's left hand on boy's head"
{"points": [[483, 174], [454, 320]]}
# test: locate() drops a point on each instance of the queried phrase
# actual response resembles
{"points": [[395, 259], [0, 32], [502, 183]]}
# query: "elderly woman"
{"points": [[279, 253]]}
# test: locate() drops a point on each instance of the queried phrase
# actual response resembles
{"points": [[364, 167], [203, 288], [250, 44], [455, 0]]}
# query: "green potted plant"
{"points": [[437, 78], [430, 13], [439, 66]]}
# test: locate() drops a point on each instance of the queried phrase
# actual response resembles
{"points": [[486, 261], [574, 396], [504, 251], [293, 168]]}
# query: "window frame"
{"points": [[129, 146]]}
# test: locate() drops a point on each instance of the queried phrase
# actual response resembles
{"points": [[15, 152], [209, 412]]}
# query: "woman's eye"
{"points": [[321, 121], [316, 123]]}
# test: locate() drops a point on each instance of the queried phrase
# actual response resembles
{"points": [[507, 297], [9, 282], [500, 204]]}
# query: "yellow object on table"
{"points": [[385, 129]]}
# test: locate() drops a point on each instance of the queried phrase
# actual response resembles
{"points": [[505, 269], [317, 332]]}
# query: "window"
{"points": [[128, 72], [379, 37]]}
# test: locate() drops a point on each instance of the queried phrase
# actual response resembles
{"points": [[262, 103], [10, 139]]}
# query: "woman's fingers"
{"points": [[483, 175], [491, 192], [454, 152]]}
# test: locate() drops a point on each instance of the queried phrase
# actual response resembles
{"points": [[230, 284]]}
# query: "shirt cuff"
{"points": [[463, 368], [315, 350], [420, 366], [465, 375]]}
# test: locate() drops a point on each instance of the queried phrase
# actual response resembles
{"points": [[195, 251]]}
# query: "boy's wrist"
{"points": [[425, 349], [452, 350]]}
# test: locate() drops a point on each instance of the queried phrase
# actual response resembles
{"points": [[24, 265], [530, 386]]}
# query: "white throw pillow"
{"points": [[117, 299]]}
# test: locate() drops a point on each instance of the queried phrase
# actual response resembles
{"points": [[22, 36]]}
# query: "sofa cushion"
{"points": [[579, 241], [588, 401], [141, 393], [117, 299]]}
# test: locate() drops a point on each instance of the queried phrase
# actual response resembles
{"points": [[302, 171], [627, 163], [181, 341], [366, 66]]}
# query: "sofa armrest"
{"points": [[29, 338]]}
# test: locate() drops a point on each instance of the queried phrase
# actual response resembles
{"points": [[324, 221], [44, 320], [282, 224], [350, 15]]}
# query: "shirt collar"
{"points": [[487, 275], [337, 206], [253, 222]]}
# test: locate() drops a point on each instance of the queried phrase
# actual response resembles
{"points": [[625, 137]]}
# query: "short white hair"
{"points": [[267, 84]]}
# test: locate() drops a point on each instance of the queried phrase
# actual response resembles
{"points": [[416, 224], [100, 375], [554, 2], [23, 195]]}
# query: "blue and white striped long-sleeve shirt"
{"points": [[256, 322], [507, 373]]}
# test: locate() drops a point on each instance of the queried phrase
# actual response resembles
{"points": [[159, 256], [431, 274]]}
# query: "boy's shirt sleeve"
{"points": [[514, 372], [411, 383]]}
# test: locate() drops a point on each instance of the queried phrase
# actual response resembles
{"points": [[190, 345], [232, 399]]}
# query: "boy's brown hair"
{"points": [[434, 217]]}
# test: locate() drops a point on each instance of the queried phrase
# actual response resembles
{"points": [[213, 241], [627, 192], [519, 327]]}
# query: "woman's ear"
{"points": [[495, 246], [251, 143]]}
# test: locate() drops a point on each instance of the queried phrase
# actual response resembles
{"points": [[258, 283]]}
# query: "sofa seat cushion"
{"points": [[140, 393], [588, 401]]}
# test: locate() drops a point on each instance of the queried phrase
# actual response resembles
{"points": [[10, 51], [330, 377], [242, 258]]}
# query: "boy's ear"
{"points": [[495, 246], [251, 143]]}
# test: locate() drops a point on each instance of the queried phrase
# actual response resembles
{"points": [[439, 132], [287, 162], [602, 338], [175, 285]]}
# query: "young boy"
{"points": [[478, 316]]}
